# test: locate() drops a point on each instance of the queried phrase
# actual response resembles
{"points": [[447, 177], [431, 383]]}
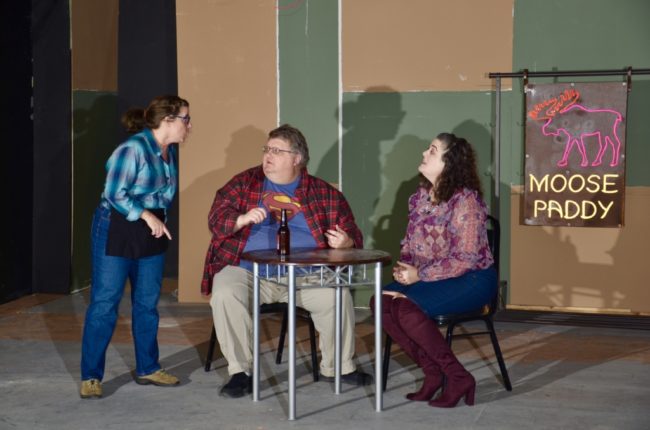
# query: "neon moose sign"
{"points": [[564, 115]]}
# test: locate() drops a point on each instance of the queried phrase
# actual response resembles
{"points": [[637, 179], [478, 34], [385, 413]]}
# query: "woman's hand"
{"points": [[158, 228], [338, 238], [253, 216], [405, 274]]}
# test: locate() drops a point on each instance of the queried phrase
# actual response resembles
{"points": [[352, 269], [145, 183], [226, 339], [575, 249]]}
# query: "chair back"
{"points": [[487, 310], [494, 240]]}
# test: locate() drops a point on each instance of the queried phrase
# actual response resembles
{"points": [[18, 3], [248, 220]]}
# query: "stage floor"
{"points": [[563, 377]]}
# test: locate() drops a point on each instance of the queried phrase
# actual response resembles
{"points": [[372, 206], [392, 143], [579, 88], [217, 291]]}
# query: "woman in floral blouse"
{"points": [[445, 266]]}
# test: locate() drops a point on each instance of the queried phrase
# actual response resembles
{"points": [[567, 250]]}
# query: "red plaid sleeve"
{"points": [[326, 207], [238, 196]]}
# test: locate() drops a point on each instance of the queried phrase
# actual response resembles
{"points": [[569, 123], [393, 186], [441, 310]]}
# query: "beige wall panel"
{"points": [[425, 45], [589, 268], [227, 71], [94, 44]]}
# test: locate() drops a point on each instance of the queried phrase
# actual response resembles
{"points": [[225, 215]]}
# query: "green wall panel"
{"points": [[308, 54], [589, 35], [637, 147], [95, 127], [581, 34]]}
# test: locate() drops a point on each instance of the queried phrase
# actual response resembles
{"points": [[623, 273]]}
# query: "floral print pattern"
{"points": [[445, 240]]}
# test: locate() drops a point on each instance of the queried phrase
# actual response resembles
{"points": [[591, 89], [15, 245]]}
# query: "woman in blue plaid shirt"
{"points": [[129, 239]]}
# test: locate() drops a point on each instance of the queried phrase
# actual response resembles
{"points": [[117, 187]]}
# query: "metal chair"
{"points": [[485, 314], [284, 309]]}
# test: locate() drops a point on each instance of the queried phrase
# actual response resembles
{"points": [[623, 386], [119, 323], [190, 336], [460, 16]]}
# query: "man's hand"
{"points": [[158, 228], [405, 274], [253, 216], [338, 238]]}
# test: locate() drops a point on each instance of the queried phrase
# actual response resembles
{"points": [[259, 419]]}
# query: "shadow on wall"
{"points": [[369, 118], [401, 162], [371, 121], [95, 138], [568, 267], [243, 152]]}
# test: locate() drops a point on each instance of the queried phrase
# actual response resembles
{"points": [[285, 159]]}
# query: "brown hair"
{"points": [[295, 138], [460, 169], [136, 119]]}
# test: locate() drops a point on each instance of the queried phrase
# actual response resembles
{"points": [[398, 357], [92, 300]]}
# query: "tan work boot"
{"points": [[160, 378], [90, 388]]}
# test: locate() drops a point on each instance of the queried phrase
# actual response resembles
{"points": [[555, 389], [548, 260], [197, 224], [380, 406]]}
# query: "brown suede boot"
{"points": [[432, 376], [424, 332]]}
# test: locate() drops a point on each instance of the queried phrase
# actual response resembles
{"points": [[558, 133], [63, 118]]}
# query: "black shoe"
{"points": [[239, 385], [357, 378]]}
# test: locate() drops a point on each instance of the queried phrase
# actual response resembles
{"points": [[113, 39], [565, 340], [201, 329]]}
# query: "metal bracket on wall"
{"points": [[629, 79]]}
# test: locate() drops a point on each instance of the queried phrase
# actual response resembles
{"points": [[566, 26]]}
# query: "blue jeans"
{"points": [[109, 276]]}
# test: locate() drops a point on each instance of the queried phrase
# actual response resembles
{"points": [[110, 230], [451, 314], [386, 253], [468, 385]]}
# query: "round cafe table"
{"points": [[338, 269]]}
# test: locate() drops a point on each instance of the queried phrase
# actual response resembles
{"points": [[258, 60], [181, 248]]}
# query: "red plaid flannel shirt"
{"points": [[323, 206]]}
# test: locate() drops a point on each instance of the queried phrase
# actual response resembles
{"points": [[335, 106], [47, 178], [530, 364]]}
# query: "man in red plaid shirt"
{"points": [[244, 217]]}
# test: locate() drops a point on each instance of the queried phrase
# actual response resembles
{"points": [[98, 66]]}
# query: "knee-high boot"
{"points": [[432, 376], [424, 332]]}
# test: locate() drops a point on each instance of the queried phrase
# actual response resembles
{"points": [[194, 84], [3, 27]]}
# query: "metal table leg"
{"points": [[256, 332], [292, 343], [337, 331], [379, 392]]}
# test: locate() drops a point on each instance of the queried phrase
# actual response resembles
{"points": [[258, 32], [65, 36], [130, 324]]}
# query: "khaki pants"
{"points": [[231, 301]]}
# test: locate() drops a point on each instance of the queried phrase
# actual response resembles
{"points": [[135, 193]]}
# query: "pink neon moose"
{"points": [[563, 114]]}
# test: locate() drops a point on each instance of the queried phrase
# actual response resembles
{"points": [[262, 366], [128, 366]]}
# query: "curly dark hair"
{"points": [[460, 169]]}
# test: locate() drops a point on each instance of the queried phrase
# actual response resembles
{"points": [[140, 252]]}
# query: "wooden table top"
{"points": [[319, 257]]}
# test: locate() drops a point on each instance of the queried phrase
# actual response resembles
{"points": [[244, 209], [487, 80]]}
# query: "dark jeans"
{"points": [[109, 276]]}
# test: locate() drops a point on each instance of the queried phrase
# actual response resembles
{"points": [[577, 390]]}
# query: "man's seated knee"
{"points": [[225, 295]]}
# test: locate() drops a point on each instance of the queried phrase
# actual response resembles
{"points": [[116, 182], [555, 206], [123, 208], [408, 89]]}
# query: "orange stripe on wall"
{"points": [[227, 71]]}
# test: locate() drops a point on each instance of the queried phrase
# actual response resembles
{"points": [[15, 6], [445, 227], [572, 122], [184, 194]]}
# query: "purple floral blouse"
{"points": [[448, 239]]}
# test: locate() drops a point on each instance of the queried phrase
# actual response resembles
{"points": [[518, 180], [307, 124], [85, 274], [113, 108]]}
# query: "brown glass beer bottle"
{"points": [[284, 238]]}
